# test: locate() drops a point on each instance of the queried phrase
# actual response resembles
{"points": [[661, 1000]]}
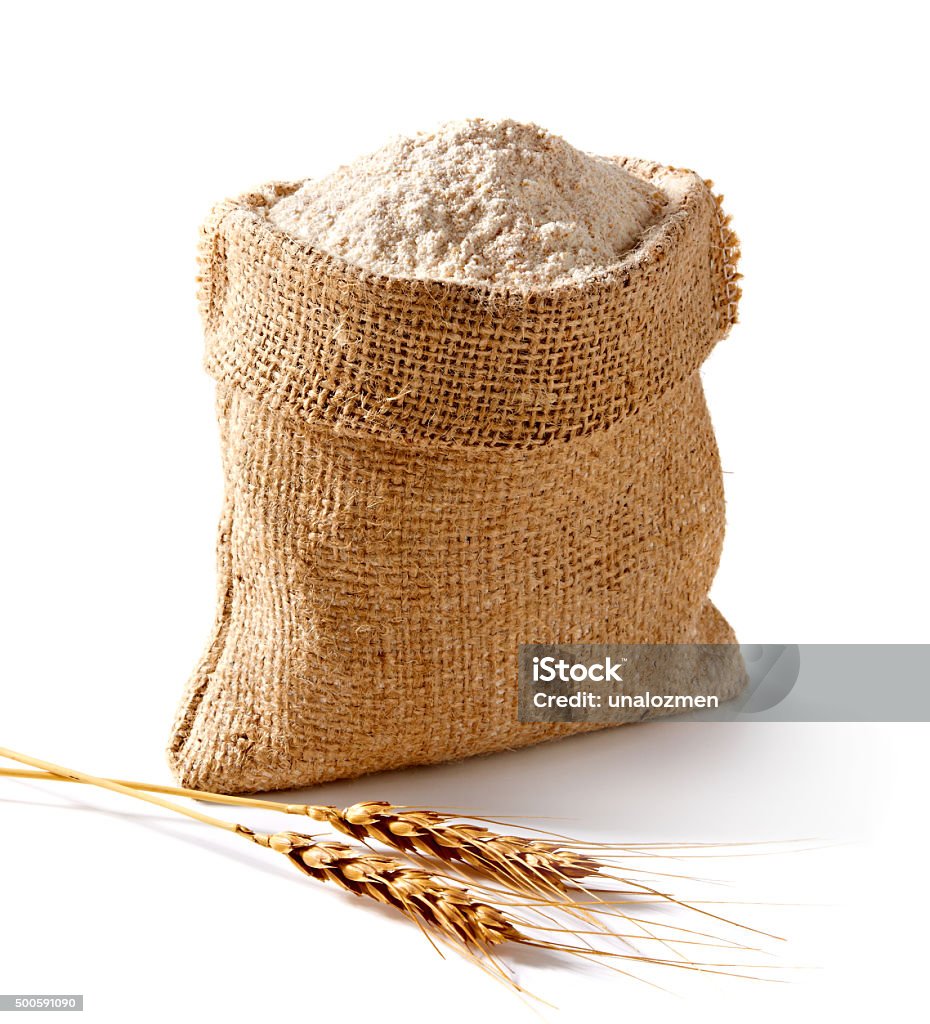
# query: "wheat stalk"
{"points": [[415, 832], [444, 908], [468, 918], [548, 868]]}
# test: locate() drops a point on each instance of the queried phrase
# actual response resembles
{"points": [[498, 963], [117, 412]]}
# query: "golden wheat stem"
{"points": [[530, 866], [452, 913], [148, 787], [70, 775], [448, 908]]}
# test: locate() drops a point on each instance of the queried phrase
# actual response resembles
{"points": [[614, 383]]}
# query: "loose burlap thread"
{"points": [[420, 476]]}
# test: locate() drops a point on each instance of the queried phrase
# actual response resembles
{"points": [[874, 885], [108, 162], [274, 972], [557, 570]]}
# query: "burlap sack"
{"points": [[421, 476]]}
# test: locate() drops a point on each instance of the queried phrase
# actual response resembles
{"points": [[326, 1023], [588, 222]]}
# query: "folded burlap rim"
{"points": [[427, 363]]}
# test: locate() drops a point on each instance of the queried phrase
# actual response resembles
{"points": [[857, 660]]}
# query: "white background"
{"points": [[122, 125]]}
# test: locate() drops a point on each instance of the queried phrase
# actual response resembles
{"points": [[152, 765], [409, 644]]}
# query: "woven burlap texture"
{"points": [[421, 476]]}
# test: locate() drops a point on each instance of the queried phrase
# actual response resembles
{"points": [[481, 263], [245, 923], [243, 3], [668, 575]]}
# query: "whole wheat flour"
{"points": [[494, 203]]}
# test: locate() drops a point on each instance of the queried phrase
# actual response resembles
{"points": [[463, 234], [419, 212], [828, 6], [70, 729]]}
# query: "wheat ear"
{"points": [[547, 869], [469, 917], [415, 832], [532, 867], [445, 910]]}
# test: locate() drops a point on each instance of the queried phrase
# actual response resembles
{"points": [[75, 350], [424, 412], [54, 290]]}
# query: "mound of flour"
{"points": [[479, 202]]}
